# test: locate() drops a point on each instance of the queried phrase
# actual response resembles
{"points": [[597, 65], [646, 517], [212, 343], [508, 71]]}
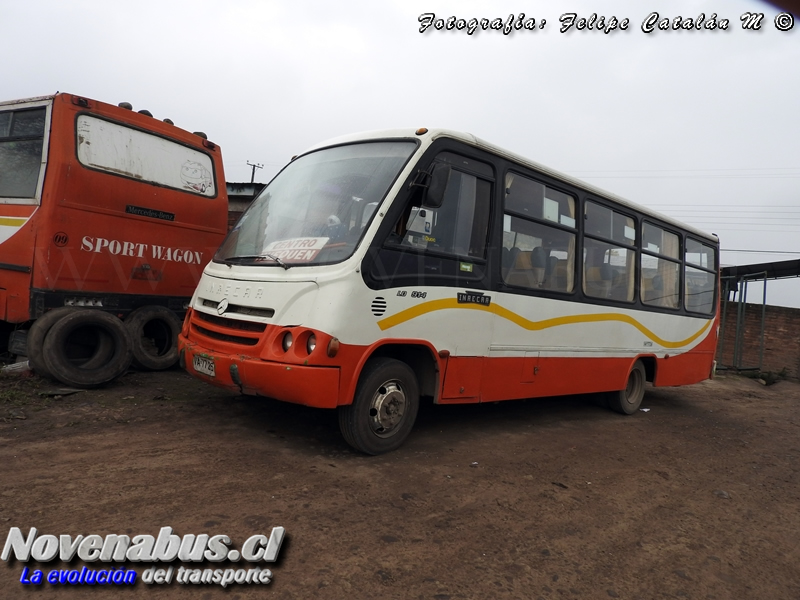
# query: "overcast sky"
{"points": [[701, 125]]}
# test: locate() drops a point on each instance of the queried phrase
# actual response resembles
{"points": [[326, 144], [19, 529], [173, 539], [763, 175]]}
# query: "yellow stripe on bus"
{"points": [[12, 222], [446, 303]]}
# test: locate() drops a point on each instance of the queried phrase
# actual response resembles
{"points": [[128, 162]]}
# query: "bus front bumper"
{"points": [[300, 384]]}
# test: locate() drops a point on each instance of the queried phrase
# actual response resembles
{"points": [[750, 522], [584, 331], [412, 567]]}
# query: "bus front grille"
{"points": [[224, 329]]}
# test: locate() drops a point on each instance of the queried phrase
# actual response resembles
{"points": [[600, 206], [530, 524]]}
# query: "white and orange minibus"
{"points": [[378, 269]]}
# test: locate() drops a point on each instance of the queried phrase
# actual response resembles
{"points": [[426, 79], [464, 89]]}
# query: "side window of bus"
{"points": [[700, 276], [21, 141], [538, 236], [661, 268], [458, 227], [609, 254]]}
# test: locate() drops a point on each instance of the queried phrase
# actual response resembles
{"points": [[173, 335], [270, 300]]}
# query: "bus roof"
{"points": [[468, 138], [26, 100]]}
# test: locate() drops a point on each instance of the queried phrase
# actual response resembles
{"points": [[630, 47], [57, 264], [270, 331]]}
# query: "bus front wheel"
{"points": [[629, 400], [384, 407]]}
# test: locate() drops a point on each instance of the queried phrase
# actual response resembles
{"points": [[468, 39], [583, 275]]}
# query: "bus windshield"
{"points": [[316, 209]]}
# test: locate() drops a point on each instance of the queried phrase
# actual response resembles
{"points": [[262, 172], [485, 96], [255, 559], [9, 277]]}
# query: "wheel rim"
{"points": [[387, 409]]}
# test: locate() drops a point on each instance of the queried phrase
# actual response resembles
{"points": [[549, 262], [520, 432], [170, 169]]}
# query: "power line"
{"points": [[763, 176], [728, 210], [683, 170], [720, 206], [748, 230], [736, 220], [773, 173], [758, 251]]}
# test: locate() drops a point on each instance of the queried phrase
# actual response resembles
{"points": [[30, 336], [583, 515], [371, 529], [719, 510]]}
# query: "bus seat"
{"points": [[539, 263], [598, 281], [653, 290], [552, 262], [647, 289], [525, 272], [558, 276]]}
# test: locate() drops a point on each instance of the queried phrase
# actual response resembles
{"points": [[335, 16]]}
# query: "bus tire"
{"points": [[384, 407], [87, 348], [36, 335], [629, 400], [154, 337]]}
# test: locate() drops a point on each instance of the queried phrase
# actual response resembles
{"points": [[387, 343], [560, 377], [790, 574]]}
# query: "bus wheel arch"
{"points": [[420, 358], [650, 367], [628, 400], [384, 406], [154, 337]]}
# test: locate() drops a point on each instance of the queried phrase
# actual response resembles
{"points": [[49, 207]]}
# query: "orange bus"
{"points": [[105, 214], [381, 268]]}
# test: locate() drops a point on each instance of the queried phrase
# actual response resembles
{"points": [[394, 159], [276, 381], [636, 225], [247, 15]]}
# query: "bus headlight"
{"points": [[286, 343], [311, 343]]}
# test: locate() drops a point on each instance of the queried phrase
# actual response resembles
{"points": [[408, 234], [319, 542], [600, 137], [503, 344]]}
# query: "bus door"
{"points": [[438, 250]]}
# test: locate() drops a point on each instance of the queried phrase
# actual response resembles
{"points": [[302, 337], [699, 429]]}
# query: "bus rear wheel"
{"points": [[384, 407], [629, 400]]}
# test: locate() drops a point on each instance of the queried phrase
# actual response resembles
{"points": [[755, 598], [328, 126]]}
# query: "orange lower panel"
{"points": [[684, 369], [690, 367], [505, 378], [471, 379], [311, 386]]}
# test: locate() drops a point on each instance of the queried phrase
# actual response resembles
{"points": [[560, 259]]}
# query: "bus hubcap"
{"points": [[387, 409]]}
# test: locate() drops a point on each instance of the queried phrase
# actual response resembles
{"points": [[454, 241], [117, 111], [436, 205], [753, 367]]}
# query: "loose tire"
{"points": [[384, 407], [35, 341], [154, 337], [629, 400], [87, 332]]}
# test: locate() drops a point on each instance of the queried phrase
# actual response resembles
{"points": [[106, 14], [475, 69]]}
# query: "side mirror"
{"points": [[434, 195]]}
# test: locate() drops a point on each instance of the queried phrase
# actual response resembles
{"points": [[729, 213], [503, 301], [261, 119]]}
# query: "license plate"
{"points": [[204, 365]]}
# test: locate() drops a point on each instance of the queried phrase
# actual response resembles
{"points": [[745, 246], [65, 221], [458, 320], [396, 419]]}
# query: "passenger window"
{"points": [[608, 270], [660, 267], [701, 277], [609, 259], [538, 236], [603, 222], [700, 255]]}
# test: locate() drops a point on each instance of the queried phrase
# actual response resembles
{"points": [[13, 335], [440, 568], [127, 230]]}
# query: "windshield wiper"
{"points": [[257, 256]]}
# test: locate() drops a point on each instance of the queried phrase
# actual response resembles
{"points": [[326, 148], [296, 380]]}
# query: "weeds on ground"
{"points": [[16, 390]]}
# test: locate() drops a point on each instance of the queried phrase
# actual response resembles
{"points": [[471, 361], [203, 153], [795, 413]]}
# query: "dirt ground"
{"points": [[548, 498]]}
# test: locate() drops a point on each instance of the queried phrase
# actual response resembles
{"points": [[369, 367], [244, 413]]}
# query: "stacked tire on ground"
{"points": [[85, 347]]}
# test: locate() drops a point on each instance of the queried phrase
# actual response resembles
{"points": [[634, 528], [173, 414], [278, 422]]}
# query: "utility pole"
{"points": [[255, 166]]}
